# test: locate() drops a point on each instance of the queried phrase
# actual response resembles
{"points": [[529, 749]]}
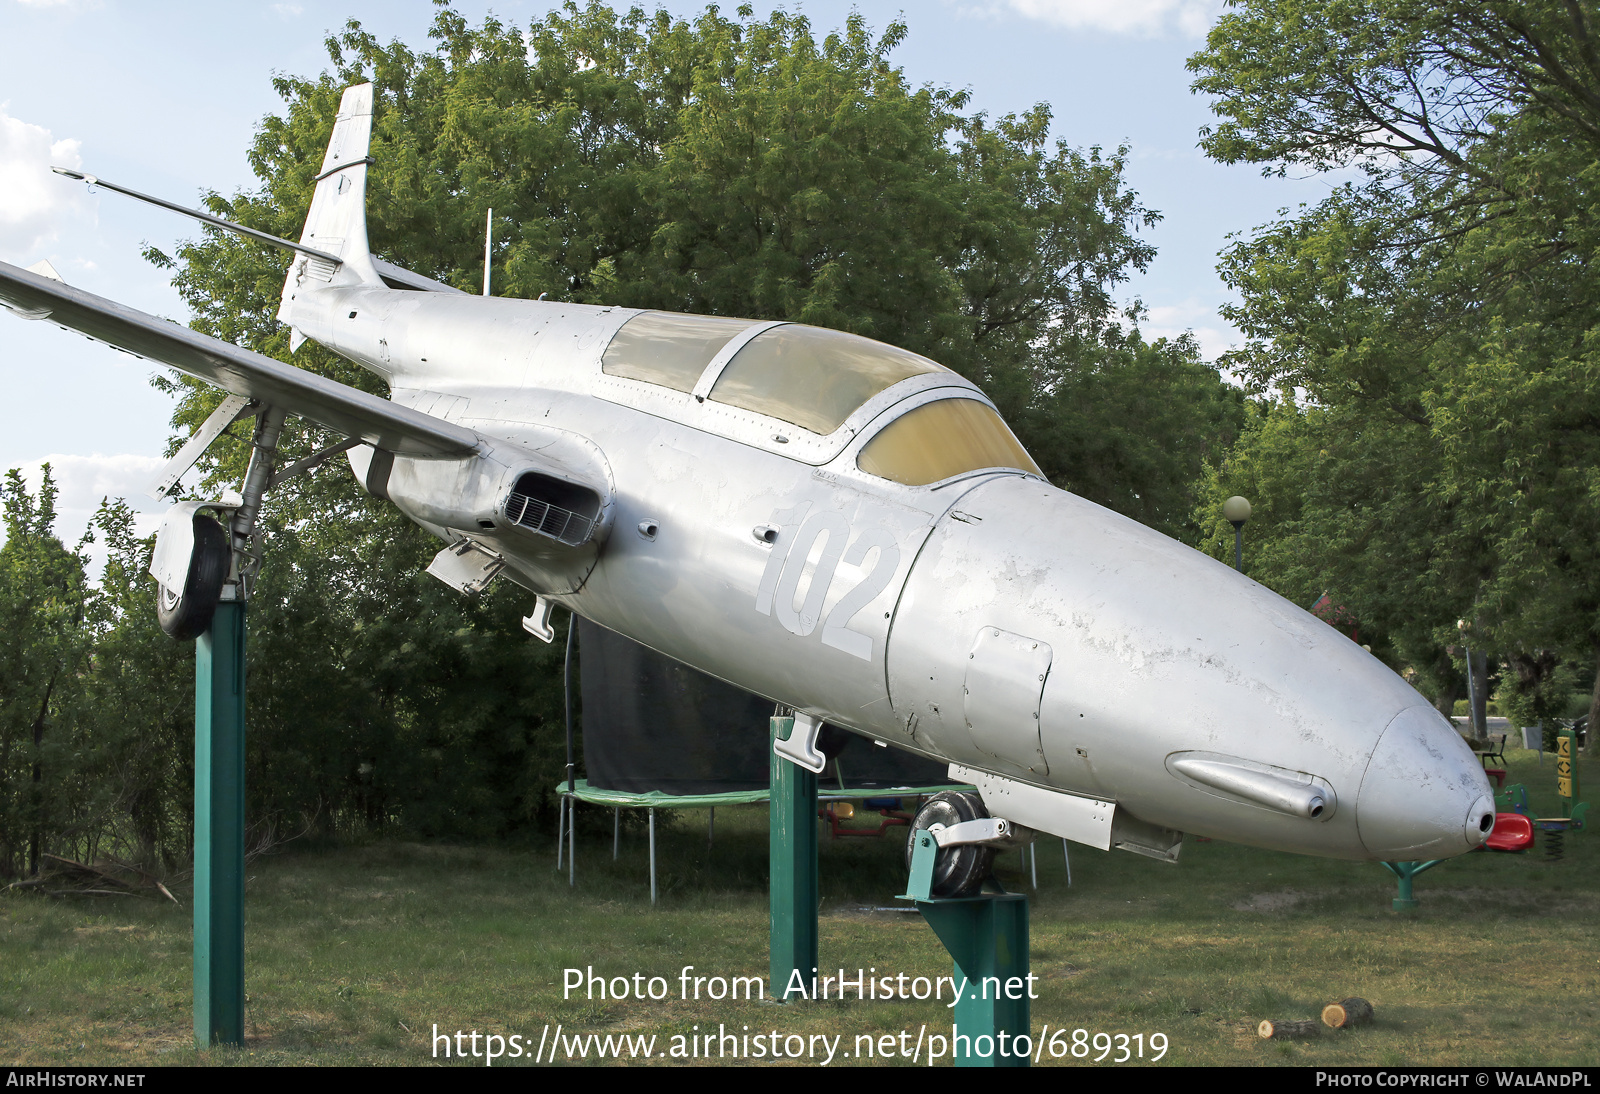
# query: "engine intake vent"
{"points": [[546, 506]]}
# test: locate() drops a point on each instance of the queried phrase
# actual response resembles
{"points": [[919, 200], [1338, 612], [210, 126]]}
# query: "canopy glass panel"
{"points": [[667, 348], [940, 440], [813, 377]]}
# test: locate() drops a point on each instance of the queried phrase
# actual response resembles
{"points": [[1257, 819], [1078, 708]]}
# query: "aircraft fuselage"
{"points": [[988, 619]]}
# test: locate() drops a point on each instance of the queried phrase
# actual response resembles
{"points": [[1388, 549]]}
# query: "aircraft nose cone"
{"points": [[1423, 796]]}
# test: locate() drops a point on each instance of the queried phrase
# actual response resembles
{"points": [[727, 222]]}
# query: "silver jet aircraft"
{"points": [[844, 527]]}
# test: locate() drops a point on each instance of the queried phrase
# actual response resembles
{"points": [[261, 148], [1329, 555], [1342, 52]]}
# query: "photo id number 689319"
{"points": [[1111, 1048]]}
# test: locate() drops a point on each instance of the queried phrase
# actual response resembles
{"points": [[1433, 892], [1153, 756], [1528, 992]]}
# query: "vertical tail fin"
{"points": [[337, 222]]}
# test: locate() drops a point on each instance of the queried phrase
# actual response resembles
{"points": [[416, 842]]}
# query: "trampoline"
{"points": [[660, 735]]}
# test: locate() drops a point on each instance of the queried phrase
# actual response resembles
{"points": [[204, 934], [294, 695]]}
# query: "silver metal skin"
{"points": [[1097, 680], [1194, 697]]}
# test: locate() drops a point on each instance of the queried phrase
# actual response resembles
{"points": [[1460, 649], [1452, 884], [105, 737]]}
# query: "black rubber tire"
{"points": [[187, 613], [831, 741], [958, 871]]}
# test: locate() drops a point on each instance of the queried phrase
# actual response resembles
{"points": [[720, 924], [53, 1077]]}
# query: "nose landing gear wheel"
{"points": [[958, 871]]}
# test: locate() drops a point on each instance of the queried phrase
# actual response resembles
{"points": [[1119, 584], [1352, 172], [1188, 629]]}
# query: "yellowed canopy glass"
{"points": [[668, 349], [812, 376], [942, 439]]}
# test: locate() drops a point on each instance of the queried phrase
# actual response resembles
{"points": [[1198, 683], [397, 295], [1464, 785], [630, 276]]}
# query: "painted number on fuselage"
{"points": [[781, 581]]}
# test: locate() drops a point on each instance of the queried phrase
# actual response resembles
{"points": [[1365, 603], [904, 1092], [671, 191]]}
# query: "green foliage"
{"points": [[96, 704], [138, 712], [380, 697], [1537, 691], [1441, 319], [41, 651], [1137, 427]]}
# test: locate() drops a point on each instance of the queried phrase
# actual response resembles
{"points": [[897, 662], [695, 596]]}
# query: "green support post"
{"points": [[219, 829], [1404, 872], [793, 864], [987, 937]]}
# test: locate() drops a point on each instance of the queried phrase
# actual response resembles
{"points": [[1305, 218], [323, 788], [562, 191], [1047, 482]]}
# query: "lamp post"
{"points": [[1236, 510]]}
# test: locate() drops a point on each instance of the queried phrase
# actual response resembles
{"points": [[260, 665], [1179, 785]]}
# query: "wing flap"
{"points": [[346, 410]]}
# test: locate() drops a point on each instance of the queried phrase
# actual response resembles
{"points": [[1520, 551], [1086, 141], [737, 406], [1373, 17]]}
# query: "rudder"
{"points": [[337, 221]]}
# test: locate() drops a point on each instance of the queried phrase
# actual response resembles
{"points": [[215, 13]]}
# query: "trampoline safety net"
{"points": [[653, 724]]}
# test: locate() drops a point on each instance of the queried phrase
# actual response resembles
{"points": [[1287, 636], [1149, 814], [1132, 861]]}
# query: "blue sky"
{"points": [[164, 98]]}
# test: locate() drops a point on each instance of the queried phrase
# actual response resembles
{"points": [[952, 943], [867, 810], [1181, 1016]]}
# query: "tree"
{"points": [[1136, 427], [1444, 303], [1339, 507], [42, 646], [136, 718], [96, 704]]}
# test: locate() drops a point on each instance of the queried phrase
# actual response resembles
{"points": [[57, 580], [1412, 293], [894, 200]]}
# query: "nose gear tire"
{"points": [[958, 871]]}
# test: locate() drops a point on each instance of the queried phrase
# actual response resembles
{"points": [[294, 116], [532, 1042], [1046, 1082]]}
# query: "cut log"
{"points": [[1347, 1013], [1285, 1029]]}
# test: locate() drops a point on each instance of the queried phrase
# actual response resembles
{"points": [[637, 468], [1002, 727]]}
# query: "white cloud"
{"points": [[287, 11], [82, 481], [1213, 333], [1189, 18], [33, 201]]}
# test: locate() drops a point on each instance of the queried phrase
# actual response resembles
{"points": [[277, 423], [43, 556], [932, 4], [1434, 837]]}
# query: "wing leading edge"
{"points": [[354, 413]]}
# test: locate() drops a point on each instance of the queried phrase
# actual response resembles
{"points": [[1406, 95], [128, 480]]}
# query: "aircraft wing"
{"points": [[354, 413]]}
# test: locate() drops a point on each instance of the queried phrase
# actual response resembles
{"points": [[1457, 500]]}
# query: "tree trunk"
{"points": [[1284, 1029], [1479, 706], [1594, 699], [1445, 701], [1347, 1013], [36, 840]]}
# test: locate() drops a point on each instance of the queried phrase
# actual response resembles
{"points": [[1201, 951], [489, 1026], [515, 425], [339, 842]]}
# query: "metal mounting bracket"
{"points": [[538, 623], [800, 747], [315, 460]]}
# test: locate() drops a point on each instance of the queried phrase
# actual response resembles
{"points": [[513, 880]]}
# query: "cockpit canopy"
{"points": [[816, 379]]}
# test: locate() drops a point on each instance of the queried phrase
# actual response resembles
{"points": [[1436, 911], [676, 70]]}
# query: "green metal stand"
{"points": [[793, 859], [1404, 872], [987, 936], [219, 829]]}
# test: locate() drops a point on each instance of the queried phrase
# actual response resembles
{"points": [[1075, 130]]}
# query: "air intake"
{"points": [[550, 507]]}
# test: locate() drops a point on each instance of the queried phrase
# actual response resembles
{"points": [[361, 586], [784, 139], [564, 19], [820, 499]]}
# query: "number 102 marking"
{"points": [[780, 582]]}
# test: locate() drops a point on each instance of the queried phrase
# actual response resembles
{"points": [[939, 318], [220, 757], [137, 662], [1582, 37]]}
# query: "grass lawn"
{"points": [[356, 953]]}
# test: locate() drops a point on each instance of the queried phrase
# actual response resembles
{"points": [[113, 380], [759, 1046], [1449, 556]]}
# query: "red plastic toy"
{"points": [[1512, 832]]}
